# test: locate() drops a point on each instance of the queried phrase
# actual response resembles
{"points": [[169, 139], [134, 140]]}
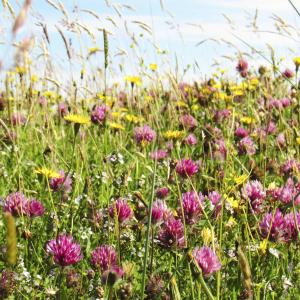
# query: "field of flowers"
{"points": [[164, 190]]}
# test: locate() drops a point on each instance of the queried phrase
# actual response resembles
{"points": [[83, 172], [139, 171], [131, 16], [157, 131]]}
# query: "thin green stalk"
{"points": [[148, 233], [152, 248], [205, 288], [200, 279], [220, 246]]}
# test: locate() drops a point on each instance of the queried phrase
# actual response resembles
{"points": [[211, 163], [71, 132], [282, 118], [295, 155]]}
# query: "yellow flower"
{"points": [[181, 104], [20, 70], [228, 98], [100, 96], [254, 82], [34, 78], [134, 80], [93, 50], [206, 91], [134, 119], [253, 134], [233, 203], [78, 119], [115, 125], [116, 114], [241, 179], [296, 61], [173, 134], [49, 94], [263, 246], [206, 235], [272, 186], [195, 107], [47, 172], [231, 222], [153, 67], [298, 140], [238, 92], [217, 85], [247, 120], [148, 98], [222, 95]]}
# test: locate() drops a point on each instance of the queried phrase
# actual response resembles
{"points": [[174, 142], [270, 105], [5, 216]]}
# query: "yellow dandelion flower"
{"points": [[206, 91], [174, 134], [49, 94], [296, 61], [20, 70], [298, 140], [244, 85], [78, 119], [222, 95], [181, 104], [100, 96], [153, 67], [247, 120], [134, 80], [254, 82], [241, 179], [34, 78], [109, 103], [47, 172], [238, 92], [94, 50], [115, 125], [217, 86], [134, 119]]}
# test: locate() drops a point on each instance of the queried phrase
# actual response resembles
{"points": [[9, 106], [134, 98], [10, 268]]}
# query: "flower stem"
{"points": [[205, 287], [152, 248], [148, 233]]}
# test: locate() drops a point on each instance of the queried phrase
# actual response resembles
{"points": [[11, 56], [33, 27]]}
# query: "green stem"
{"points": [[148, 233], [152, 248], [205, 288], [203, 283]]}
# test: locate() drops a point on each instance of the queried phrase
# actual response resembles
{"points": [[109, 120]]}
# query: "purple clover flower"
{"points": [[207, 260], [187, 168], [123, 210], [64, 250], [144, 135]]}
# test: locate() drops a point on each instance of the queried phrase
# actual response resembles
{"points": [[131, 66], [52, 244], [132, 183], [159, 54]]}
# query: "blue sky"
{"points": [[176, 29]]}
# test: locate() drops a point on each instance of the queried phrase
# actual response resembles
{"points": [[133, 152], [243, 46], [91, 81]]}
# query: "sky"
{"points": [[190, 38]]}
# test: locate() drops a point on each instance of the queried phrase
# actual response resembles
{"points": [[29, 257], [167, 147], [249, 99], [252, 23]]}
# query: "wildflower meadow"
{"points": [[130, 175]]}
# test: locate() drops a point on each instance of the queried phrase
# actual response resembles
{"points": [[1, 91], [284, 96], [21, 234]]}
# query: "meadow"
{"points": [[151, 187]]}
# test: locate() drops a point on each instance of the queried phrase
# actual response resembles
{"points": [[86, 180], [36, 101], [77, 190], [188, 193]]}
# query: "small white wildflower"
{"points": [[51, 291]]}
